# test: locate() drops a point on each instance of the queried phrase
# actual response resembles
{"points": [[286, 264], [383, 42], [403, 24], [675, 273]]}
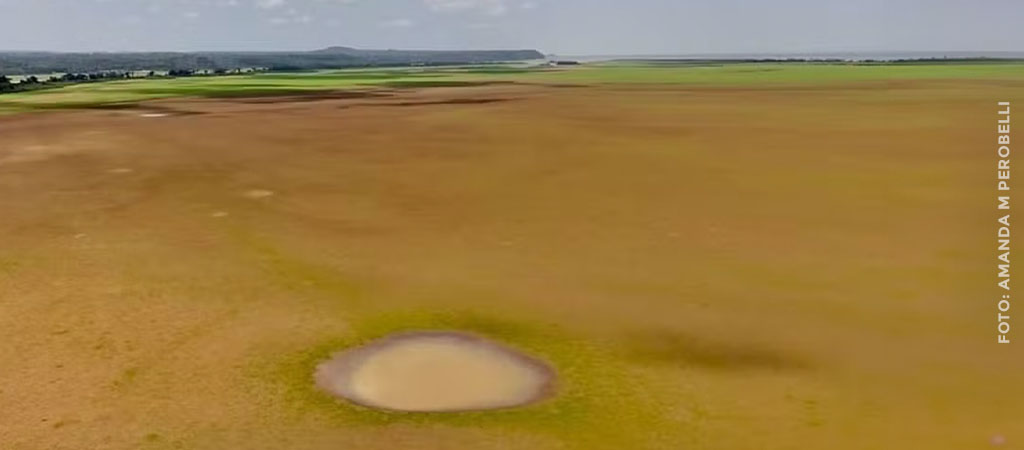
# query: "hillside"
{"points": [[18, 63]]}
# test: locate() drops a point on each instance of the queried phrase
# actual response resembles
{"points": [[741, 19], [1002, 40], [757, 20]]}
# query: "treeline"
{"points": [[23, 63], [971, 60], [32, 82]]}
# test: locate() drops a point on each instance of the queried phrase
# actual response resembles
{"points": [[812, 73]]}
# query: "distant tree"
{"points": [[31, 79], [5, 84]]}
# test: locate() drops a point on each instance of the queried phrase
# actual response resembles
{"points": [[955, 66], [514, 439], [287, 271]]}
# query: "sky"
{"points": [[569, 27]]}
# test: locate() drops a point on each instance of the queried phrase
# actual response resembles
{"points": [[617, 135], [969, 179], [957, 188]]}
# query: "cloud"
{"points": [[397, 23], [489, 7], [292, 16], [269, 4]]}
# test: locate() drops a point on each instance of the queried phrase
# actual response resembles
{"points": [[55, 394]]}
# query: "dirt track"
{"points": [[788, 266]]}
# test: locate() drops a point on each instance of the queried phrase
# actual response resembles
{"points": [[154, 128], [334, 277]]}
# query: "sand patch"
{"points": [[258, 193], [34, 153], [48, 145], [436, 372]]}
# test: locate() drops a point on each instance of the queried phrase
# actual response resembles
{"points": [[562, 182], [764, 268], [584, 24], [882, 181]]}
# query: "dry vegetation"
{"points": [[782, 267]]}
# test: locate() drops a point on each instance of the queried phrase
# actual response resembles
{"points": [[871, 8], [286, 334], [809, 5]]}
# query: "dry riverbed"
{"points": [[703, 267]]}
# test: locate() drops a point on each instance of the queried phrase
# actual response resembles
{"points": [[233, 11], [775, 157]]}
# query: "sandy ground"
{"points": [[791, 268]]}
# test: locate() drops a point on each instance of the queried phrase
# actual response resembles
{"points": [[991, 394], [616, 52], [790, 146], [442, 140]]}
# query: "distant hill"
{"points": [[19, 63]]}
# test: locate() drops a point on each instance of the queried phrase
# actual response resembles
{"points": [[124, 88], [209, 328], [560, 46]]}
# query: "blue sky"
{"points": [[555, 26]]}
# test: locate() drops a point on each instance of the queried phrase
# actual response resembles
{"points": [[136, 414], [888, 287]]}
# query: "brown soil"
{"points": [[785, 268]]}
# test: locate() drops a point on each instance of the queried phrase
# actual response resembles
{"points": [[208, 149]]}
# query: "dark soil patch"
{"points": [[564, 85], [452, 101], [442, 83], [308, 96], [144, 109], [675, 348]]}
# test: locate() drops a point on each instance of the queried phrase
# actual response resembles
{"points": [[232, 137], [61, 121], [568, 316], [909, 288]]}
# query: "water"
{"points": [[849, 56], [435, 372]]}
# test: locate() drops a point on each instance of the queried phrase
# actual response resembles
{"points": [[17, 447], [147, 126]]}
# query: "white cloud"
{"points": [[269, 4], [489, 7], [291, 16]]}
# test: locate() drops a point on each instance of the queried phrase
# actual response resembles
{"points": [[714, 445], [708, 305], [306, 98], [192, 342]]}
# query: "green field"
{"points": [[732, 74]]}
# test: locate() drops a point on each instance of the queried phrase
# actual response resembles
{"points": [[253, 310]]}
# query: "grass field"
{"points": [[742, 257], [105, 93]]}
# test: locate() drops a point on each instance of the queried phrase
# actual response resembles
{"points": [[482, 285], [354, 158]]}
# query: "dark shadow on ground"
{"points": [[442, 83], [452, 101], [306, 96], [142, 109], [679, 349]]}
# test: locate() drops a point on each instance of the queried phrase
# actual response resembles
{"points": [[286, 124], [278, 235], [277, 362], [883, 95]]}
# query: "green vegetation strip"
{"points": [[701, 74]]}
